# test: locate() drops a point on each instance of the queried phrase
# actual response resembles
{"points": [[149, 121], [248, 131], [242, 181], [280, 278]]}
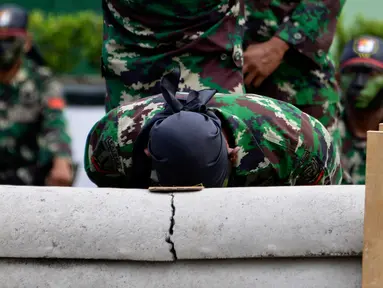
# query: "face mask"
{"points": [[362, 91], [11, 50]]}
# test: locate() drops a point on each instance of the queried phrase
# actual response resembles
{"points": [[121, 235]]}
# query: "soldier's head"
{"points": [[186, 144], [14, 38], [361, 77]]}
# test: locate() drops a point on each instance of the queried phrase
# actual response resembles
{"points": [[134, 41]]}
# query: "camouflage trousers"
{"points": [[222, 72]]}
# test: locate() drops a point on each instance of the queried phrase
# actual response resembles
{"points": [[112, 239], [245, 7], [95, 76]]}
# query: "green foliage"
{"points": [[360, 26], [66, 40]]}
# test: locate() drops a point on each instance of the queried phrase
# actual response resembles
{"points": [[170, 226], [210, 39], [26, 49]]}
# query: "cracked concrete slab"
{"points": [[269, 222], [39, 222], [171, 230], [265, 273]]}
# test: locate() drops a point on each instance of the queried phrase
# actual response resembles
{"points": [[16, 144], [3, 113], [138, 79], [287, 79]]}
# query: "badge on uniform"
{"points": [[313, 171], [365, 47], [5, 18], [105, 158]]}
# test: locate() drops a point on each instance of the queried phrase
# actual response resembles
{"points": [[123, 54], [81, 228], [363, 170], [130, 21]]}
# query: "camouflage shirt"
{"points": [[279, 144], [306, 75], [32, 123], [353, 156], [145, 40]]}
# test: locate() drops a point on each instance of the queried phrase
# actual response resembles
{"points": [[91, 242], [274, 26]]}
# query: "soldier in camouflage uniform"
{"points": [[361, 78], [232, 140], [287, 55], [143, 40], [34, 143]]}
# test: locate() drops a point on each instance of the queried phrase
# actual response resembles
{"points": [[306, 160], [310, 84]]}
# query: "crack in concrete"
{"points": [[171, 230]]}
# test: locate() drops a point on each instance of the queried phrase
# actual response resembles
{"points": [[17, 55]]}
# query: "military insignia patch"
{"points": [[312, 172], [105, 158], [57, 103], [365, 47], [5, 18]]}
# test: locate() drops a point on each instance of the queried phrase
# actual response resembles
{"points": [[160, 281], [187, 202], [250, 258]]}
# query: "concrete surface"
{"points": [[84, 224], [269, 222], [254, 273], [296, 237]]}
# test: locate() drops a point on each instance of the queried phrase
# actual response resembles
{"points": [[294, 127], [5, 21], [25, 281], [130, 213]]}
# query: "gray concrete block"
{"points": [[84, 223], [269, 222], [262, 273]]}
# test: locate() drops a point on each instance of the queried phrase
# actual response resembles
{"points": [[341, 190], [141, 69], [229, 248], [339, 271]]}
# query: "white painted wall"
{"points": [[81, 119]]}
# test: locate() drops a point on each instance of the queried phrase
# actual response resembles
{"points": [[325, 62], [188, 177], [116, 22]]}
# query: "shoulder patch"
{"points": [[105, 158], [56, 103], [312, 173]]}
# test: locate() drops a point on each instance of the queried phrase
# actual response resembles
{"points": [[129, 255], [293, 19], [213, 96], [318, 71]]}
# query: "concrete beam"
{"points": [[269, 222], [265, 273], [118, 224], [38, 222]]}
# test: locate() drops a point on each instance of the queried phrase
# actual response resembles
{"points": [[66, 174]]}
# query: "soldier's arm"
{"points": [[310, 28], [317, 160], [101, 157], [109, 147], [54, 140]]}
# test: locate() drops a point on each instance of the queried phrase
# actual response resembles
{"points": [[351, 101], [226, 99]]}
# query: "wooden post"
{"points": [[372, 274]]}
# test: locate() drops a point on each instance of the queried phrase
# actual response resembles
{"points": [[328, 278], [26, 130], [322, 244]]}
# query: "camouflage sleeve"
{"points": [[108, 157], [318, 160], [310, 28], [54, 140], [102, 161]]}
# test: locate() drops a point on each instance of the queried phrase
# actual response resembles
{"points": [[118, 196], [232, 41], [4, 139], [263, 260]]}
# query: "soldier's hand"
{"points": [[260, 60], [61, 173]]}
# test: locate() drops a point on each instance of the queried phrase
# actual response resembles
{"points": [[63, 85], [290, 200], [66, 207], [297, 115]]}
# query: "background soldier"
{"points": [[361, 78], [34, 143], [286, 55], [144, 40]]}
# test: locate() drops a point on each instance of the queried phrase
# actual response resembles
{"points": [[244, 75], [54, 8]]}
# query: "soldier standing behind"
{"points": [[34, 143], [286, 55], [361, 78], [145, 40]]}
